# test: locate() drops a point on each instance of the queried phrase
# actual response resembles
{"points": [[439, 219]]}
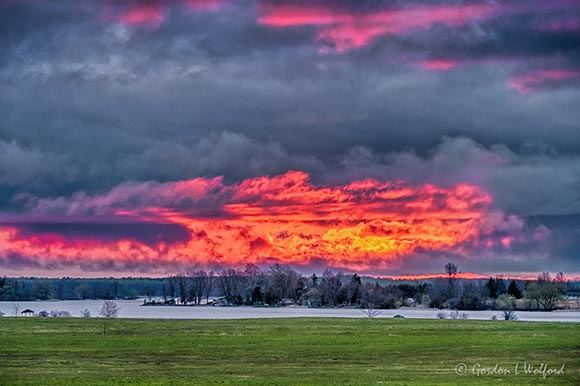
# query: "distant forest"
{"points": [[23, 289], [281, 285]]}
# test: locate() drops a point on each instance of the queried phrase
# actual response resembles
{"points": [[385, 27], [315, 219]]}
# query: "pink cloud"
{"points": [[346, 30], [439, 65], [147, 13], [152, 13], [536, 80], [541, 233], [204, 5], [507, 241], [560, 24]]}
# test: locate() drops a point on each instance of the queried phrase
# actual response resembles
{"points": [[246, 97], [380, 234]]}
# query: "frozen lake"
{"points": [[134, 309]]}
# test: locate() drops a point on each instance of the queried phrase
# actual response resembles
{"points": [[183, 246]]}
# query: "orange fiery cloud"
{"points": [[465, 276], [347, 30], [362, 225]]}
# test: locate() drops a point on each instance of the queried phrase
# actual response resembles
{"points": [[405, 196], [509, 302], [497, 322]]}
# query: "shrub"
{"points": [[60, 314], [509, 315]]}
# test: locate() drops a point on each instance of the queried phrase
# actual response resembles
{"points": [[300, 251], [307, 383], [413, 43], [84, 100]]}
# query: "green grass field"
{"points": [[35, 351]]}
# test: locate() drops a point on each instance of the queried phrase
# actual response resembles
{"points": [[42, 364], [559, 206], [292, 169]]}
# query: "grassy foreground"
{"points": [[35, 351]]}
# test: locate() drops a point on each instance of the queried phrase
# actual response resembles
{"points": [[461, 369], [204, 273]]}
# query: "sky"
{"points": [[380, 137]]}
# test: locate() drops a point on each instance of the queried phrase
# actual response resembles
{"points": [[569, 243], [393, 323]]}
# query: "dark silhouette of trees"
{"points": [[330, 285], [496, 287], [196, 287], [169, 289], [514, 290], [232, 285], [471, 298], [354, 290], [451, 270], [282, 283], [43, 290], [182, 287], [209, 285], [10, 290]]}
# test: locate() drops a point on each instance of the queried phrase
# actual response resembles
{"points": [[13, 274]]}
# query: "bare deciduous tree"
{"points": [[331, 285], [210, 284], [197, 282], [257, 282], [283, 280], [85, 313], [149, 292], [231, 283], [451, 270], [16, 308], [169, 289], [370, 311], [182, 284], [110, 309]]}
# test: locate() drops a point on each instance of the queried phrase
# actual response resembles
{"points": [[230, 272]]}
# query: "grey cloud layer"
{"points": [[534, 181]]}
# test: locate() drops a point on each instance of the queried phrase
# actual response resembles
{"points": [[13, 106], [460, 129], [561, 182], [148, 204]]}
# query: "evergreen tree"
{"points": [[514, 290]]}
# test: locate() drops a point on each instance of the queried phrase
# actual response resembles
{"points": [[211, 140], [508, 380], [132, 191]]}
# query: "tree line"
{"points": [[282, 285], [30, 289]]}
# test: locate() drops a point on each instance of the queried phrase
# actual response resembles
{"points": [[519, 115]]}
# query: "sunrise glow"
{"points": [[283, 218]]}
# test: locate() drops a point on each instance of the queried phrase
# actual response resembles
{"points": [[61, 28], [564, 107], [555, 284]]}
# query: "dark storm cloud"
{"points": [[146, 233], [536, 180], [21, 166], [113, 66]]}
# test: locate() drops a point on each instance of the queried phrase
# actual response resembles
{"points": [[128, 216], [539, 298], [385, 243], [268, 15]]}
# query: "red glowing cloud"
{"points": [[347, 30], [362, 225]]}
